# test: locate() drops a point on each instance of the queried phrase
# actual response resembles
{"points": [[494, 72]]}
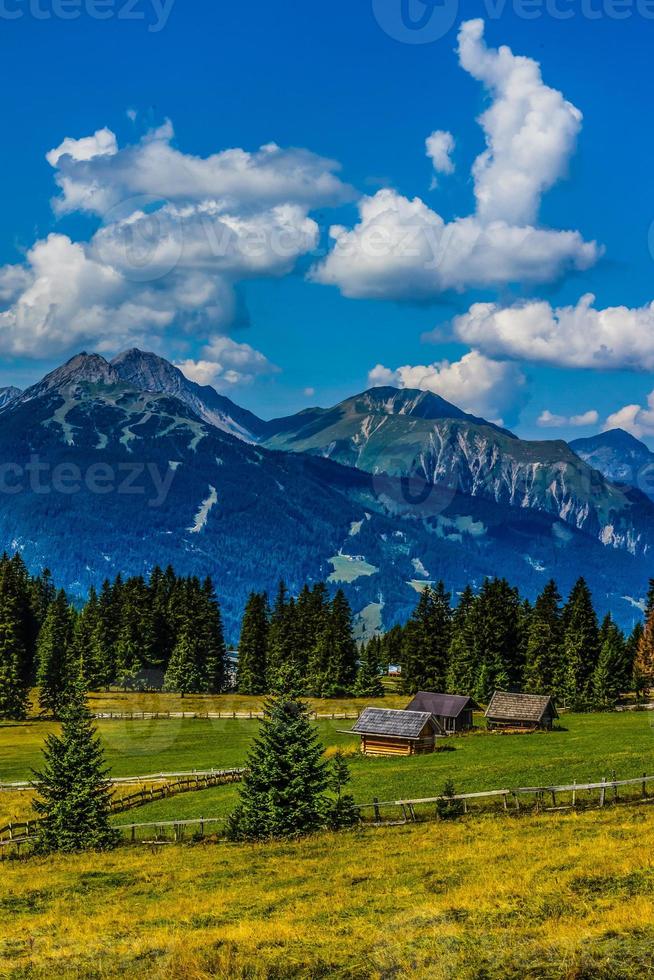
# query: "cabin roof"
{"points": [[393, 722], [449, 705], [520, 707]]}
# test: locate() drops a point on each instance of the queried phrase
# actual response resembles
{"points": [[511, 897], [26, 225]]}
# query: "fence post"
{"points": [[615, 786], [644, 785], [603, 791], [574, 792], [376, 807]]}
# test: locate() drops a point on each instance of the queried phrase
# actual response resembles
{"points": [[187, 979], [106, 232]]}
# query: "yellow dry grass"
{"points": [[555, 895]]}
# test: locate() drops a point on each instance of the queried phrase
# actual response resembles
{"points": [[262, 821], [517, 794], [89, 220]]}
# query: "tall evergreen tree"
{"points": [[497, 622], [282, 792], [607, 675], [427, 638], [644, 660], [55, 670], [368, 682], [544, 652], [252, 647], [210, 627], [580, 647], [14, 687], [461, 671], [73, 793]]}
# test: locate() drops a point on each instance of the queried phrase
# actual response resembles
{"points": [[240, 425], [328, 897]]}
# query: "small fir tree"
{"points": [[342, 810], [54, 656], [73, 794], [283, 791], [251, 676]]}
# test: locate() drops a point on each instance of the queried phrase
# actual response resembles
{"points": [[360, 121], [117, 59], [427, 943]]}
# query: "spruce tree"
{"points": [[427, 637], [368, 682], [644, 660], [282, 792], [497, 618], [544, 650], [251, 674], [14, 687], [607, 674], [342, 810], [580, 647], [55, 670], [73, 793], [185, 673], [210, 627], [462, 660]]}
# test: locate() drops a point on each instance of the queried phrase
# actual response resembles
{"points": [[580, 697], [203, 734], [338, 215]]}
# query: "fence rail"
{"points": [[613, 785], [149, 778], [21, 831], [213, 715]]}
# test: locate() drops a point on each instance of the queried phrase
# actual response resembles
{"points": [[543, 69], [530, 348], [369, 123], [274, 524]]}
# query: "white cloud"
{"points": [[637, 419], [178, 233], [530, 130], [402, 249], [474, 383], [235, 177], [547, 419], [439, 147], [309, 392], [102, 143], [571, 336], [225, 363]]}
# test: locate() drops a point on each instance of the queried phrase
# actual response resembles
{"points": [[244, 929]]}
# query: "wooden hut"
{"points": [[524, 712], [387, 731], [453, 712]]}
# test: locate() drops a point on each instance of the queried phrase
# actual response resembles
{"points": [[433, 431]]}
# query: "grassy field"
{"points": [[499, 898], [587, 748]]}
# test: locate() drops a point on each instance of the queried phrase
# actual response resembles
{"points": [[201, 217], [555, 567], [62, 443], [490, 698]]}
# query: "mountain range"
{"points": [[115, 466]]}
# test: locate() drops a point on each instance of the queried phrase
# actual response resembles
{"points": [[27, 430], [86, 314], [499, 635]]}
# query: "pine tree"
{"points": [[496, 621], [342, 811], [73, 794], [14, 687], [282, 792], [391, 647], [580, 647], [279, 653], [461, 671], [210, 627], [544, 651], [644, 660], [185, 673], [630, 650], [427, 638], [54, 656], [251, 675], [368, 682], [607, 673]]}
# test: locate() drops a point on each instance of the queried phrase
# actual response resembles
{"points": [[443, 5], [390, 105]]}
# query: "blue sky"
{"points": [[330, 80]]}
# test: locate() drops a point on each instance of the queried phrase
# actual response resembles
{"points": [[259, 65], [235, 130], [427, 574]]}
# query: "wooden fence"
{"points": [[562, 797], [191, 776], [22, 831], [213, 715]]}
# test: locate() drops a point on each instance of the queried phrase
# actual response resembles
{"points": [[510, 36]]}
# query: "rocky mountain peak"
{"points": [[83, 367]]}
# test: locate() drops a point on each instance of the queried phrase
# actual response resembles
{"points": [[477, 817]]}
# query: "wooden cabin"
{"points": [[453, 712], [523, 712], [387, 731]]}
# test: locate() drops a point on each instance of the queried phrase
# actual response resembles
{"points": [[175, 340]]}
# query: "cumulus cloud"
{"points": [[96, 182], [439, 147], [571, 336], [637, 419], [547, 419], [530, 130], [402, 249], [178, 233], [475, 383], [225, 363]]}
